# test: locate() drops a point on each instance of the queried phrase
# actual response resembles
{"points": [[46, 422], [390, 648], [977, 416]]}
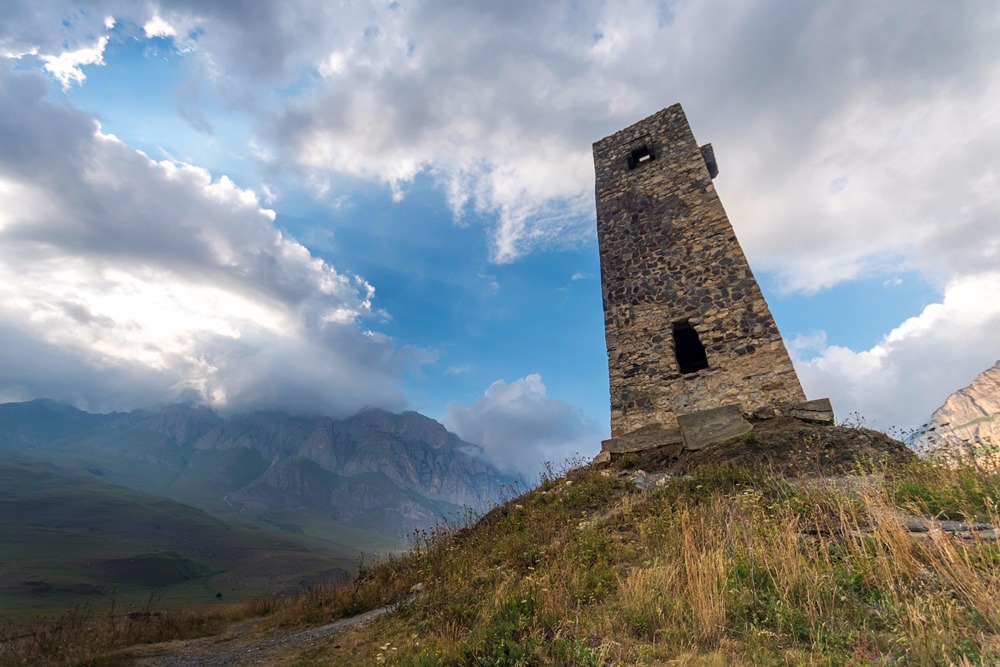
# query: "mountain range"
{"points": [[322, 488], [384, 472]]}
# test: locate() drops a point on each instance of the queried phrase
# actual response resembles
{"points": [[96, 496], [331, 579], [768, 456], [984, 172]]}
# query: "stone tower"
{"points": [[686, 325]]}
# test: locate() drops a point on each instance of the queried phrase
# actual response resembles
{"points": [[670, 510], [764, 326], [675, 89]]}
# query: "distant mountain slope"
{"points": [[68, 539], [969, 421], [315, 476]]}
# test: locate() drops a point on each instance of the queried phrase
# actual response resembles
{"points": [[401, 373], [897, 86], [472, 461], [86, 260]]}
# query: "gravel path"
{"points": [[234, 647]]}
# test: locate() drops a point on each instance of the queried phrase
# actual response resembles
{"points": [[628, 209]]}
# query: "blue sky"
{"points": [[319, 207]]}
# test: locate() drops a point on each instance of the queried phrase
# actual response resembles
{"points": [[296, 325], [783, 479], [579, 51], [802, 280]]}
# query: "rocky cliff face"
{"points": [[969, 421], [376, 470], [413, 451]]}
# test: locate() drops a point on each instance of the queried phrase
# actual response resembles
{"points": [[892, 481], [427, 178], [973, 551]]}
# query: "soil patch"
{"points": [[788, 446]]}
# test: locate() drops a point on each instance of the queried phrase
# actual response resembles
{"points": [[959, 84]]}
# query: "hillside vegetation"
{"points": [[68, 540], [176, 506], [723, 565]]}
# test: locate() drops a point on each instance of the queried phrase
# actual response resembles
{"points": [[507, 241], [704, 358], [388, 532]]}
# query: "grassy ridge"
{"points": [[729, 566], [68, 540], [732, 566]]}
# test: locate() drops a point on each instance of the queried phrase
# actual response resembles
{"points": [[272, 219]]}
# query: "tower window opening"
{"points": [[691, 356], [640, 155]]}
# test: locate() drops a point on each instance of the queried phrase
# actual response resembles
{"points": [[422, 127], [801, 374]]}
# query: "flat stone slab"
{"points": [[818, 410], [708, 426], [647, 437]]}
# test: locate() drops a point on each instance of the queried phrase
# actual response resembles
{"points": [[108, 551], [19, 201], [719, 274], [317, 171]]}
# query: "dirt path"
{"points": [[239, 646]]}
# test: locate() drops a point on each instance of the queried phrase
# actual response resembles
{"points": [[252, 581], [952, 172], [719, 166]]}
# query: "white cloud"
{"points": [[915, 192], [520, 428], [66, 66], [904, 378], [157, 272], [157, 27], [62, 36], [843, 153], [846, 149]]}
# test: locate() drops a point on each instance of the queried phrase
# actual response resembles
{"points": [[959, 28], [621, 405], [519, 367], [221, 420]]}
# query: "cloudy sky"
{"points": [[324, 206]]}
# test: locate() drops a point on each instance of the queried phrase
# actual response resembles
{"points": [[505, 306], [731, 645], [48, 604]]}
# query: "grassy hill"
{"points": [[726, 564], [68, 540]]}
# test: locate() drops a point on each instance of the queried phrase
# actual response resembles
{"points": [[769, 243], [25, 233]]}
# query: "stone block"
{"points": [[819, 410], [602, 460], [708, 426], [708, 153], [647, 437], [765, 412]]}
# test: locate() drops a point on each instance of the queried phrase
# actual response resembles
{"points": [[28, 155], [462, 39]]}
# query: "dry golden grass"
{"points": [[732, 566], [704, 574], [81, 636]]}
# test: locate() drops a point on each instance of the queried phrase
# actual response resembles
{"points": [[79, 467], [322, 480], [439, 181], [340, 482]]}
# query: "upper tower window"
{"points": [[640, 155]]}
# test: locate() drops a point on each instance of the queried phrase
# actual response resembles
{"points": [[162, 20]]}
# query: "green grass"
{"points": [[70, 541], [950, 492], [732, 566]]}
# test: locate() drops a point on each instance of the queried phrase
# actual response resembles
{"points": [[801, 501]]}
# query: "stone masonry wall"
{"points": [[669, 255]]}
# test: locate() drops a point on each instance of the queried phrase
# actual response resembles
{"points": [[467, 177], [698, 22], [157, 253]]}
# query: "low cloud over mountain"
{"points": [[520, 428], [125, 281]]}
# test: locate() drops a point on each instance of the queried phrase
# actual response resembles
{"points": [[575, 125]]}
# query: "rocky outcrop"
{"points": [[413, 451], [968, 424], [376, 470]]}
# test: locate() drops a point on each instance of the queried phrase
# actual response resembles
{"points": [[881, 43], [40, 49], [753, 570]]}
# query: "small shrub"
{"points": [[628, 462], [508, 638], [423, 660], [572, 652]]}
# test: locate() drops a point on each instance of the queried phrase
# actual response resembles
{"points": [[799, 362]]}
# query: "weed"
{"points": [[509, 638], [423, 660], [628, 462]]}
